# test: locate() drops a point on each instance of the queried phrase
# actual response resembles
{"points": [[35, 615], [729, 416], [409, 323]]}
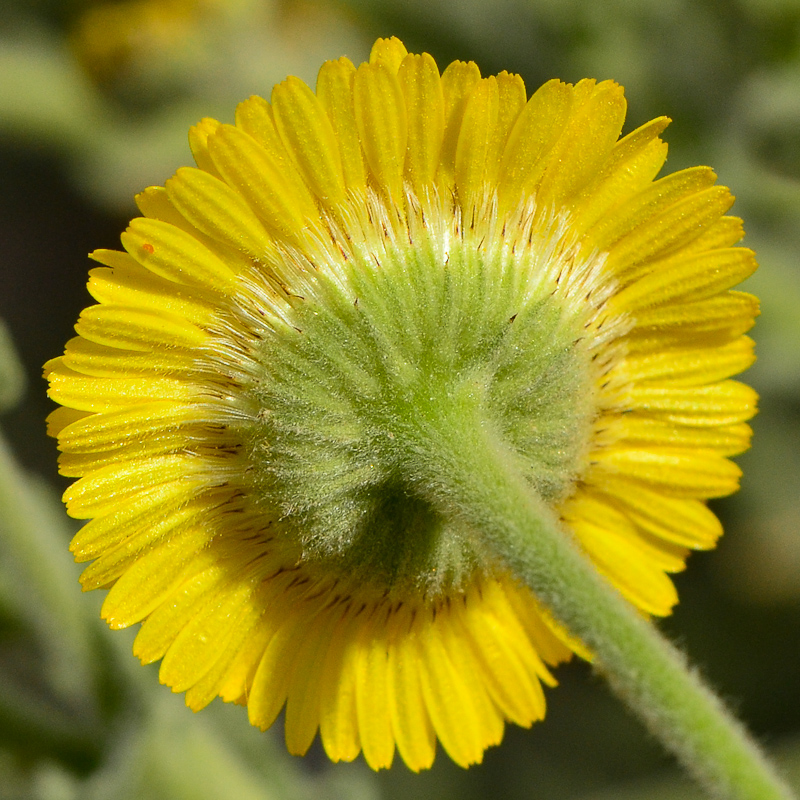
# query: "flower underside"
{"points": [[251, 405], [389, 329]]}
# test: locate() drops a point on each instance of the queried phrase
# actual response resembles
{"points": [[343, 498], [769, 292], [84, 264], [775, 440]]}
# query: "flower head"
{"points": [[245, 404]]}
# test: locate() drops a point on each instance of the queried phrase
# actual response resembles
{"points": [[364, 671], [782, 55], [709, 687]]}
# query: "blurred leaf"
{"points": [[171, 754], [41, 579], [777, 332], [45, 98], [122, 135], [12, 373], [48, 670]]}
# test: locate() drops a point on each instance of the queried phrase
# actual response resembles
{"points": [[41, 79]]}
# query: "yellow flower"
{"points": [[111, 37], [399, 243]]}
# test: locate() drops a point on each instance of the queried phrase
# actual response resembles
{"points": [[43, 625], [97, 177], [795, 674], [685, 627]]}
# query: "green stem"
{"points": [[464, 465]]}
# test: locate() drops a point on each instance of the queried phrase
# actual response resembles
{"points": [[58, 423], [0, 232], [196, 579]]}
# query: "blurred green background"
{"points": [[95, 102]]}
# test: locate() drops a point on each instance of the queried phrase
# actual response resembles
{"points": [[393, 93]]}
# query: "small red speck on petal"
{"points": [[148, 248]]}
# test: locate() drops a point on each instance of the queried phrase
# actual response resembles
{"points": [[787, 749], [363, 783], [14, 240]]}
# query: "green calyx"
{"points": [[353, 387]]}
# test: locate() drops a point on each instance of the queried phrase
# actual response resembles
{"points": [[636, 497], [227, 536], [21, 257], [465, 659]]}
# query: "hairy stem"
{"points": [[468, 471]]}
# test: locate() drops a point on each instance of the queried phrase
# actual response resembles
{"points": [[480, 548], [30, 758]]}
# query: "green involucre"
{"points": [[365, 367]]}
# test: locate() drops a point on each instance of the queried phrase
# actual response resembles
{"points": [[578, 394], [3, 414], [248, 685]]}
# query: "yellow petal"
{"points": [[137, 328], [106, 394], [236, 685], [691, 366], [75, 465], [254, 116], [684, 522], [687, 473], [513, 98], [382, 125], [106, 532], [305, 687], [218, 211], [206, 688], [143, 422], [155, 203], [106, 489], [632, 164], [151, 577], [163, 625], [692, 277], [372, 708], [491, 110], [424, 101], [733, 310], [647, 204], [307, 133], [335, 93], [594, 508], [507, 659], [670, 230], [590, 132], [725, 403], [644, 431], [496, 598], [173, 254], [266, 179], [198, 141], [475, 141], [206, 635], [536, 130], [411, 724], [471, 673], [338, 722], [725, 232], [244, 628], [162, 430], [553, 643], [128, 284], [271, 680], [62, 418], [616, 553], [101, 361], [457, 82], [390, 51], [456, 718]]}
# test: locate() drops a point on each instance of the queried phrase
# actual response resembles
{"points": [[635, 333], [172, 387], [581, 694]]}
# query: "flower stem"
{"points": [[468, 470]]}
